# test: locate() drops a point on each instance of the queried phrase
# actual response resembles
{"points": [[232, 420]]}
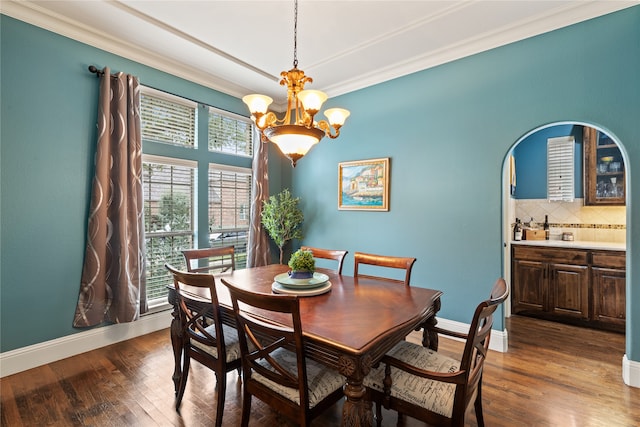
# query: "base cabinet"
{"points": [[572, 286], [608, 278]]}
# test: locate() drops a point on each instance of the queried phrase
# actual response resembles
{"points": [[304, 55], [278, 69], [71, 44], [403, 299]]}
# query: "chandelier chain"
{"points": [[295, 34]]}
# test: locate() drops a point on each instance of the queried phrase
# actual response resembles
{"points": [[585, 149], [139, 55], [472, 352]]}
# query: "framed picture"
{"points": [[364, 185]]}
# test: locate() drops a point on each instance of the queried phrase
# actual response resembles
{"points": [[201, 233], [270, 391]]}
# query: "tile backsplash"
{"points": [[587, 223]]}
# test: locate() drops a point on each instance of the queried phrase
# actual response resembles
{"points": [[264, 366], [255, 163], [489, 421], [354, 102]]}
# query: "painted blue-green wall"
{"points": [[448, 131], [531, 162], [49, 110]]}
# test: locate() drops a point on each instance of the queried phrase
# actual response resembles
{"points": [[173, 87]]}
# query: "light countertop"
{"points": [[576, 244]]}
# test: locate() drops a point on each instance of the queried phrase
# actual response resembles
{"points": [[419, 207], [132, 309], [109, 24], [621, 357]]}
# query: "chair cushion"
{"points": [[434, 396], [322, 381], [230, 341]]}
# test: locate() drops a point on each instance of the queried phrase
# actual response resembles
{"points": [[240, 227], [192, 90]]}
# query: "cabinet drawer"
{"points": [[545, 254], [609, 259]]}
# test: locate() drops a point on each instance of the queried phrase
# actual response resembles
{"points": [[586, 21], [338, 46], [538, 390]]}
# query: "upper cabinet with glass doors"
{"points": [[604, 170]]}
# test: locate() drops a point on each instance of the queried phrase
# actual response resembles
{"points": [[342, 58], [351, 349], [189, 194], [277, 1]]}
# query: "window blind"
{"points": [[560, 168], [167, 120], [229, 204], [168, 213], [230, 133]]}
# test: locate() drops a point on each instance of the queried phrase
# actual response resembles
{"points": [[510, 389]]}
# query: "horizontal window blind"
{"points": [[167, 120], [230, 133], [168, 213], [560, 168], [229, 204]]}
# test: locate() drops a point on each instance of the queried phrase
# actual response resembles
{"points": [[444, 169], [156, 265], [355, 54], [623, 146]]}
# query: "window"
{"points": [[229, 133], [169, 212], [167, 119], [178, 148], [229, 196], [560, 168]]}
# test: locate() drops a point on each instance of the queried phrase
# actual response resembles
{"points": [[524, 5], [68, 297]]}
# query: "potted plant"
{"points": [[282, 218], [302, 265]]}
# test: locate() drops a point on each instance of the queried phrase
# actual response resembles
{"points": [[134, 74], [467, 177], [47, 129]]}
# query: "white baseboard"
{"points": [[630, 372], [21, 359], [499, 339]]}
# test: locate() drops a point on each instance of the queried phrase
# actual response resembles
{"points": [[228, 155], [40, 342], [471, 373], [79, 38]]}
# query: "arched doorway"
{"points": [[603, 223]]}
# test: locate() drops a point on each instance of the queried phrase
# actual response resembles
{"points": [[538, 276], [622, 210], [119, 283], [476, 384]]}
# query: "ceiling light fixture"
{"points": [[297, 131]]}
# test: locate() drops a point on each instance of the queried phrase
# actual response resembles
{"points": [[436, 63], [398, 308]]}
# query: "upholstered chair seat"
{"points": [[322, 381], [435, 396]]}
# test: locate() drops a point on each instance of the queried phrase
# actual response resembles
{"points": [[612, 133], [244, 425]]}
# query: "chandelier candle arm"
{"points": [[297, 132]]}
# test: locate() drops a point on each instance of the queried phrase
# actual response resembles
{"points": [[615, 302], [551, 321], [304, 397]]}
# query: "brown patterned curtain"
{"points": [[258, 252], [112, 287]]}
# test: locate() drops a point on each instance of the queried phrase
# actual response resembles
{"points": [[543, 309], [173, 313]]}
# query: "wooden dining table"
{"points": [[348, 328]]}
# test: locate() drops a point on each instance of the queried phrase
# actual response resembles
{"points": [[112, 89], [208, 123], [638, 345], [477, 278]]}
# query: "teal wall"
{"points": [[448, 130], [531, 161], [49, 110]]}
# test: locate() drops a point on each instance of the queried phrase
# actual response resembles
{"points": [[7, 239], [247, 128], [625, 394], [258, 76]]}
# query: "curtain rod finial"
{"points": [[93, 69]]}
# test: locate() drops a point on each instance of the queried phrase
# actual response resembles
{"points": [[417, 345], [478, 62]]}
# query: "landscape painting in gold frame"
{"points": [[364, 185]]}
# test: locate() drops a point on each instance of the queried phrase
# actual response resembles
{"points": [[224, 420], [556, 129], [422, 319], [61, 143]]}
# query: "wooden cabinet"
{"points": [[576, 286], [608, 280], [552, 283], [604, 170]]}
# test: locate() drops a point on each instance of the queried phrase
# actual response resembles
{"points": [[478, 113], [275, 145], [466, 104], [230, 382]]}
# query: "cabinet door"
{"points": [[529, 286], [604, 170], [569, 290], [609, 302]]}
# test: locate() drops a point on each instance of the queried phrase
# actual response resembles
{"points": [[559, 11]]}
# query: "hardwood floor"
{"points": [[552, 375]]}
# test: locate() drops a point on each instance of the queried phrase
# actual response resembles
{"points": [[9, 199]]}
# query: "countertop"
{"points": [[576, 244]]}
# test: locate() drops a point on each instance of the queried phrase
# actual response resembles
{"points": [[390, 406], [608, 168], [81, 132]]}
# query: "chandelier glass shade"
{"points": [[297, 131]]}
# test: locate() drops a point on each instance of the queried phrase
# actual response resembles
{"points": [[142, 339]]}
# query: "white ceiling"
{"points": [[240, 47]]}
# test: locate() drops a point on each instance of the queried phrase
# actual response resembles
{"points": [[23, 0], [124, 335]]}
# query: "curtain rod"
{"points": [[93, 69], [96, 71]]}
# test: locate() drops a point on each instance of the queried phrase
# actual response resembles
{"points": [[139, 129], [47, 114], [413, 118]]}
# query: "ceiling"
{"points": [[240, 47]]}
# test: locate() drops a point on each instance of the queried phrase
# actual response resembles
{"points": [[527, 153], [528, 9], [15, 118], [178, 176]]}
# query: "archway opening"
{"points": [[595, 221]]}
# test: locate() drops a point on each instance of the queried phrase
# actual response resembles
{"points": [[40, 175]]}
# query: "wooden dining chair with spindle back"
{"points": [[331, 254], [386, 261], [206, 339], [431, 387]]}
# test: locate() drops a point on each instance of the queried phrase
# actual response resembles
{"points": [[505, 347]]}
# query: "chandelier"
{"points": [[297, 131]]}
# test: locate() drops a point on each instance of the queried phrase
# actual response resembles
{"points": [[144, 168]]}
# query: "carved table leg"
{"points": [[356, 411], [429, 336], [177, 344]]}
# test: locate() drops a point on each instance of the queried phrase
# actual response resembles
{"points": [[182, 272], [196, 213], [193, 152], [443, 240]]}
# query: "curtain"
{"points": [[258, 252], [112, 287]]}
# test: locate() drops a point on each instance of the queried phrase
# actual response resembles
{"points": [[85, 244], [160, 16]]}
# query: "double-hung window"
{"points": [[197, 183]]}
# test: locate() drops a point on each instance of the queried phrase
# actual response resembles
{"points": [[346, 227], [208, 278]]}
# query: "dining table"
{"points": [[348, 328]]}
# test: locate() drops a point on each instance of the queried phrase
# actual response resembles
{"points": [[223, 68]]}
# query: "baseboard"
{"points": [[630, 372], [499, 339], [21, 359]]}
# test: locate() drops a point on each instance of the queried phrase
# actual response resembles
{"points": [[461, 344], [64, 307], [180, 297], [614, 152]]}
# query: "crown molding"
{"points": [[45, 19], [561, 17], [570, 14]]}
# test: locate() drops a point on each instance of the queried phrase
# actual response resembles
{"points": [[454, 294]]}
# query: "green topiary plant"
{"points": [[282, 219], [302, 261]]}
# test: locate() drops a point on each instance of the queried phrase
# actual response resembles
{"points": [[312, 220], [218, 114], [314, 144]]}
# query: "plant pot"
{"points": [[306, 275]]}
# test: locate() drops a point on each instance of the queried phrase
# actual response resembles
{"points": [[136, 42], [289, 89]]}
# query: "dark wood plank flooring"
{"points": [[552, 375]]}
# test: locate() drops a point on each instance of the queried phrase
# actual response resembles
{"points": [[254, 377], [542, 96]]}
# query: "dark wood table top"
{"points": [[354, 316]]}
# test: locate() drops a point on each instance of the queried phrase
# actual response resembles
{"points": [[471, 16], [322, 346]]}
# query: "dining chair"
{"points": [[403, 263], [207, 260], [331, 254], [274, 366], [205, 337], [431, 387]]}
